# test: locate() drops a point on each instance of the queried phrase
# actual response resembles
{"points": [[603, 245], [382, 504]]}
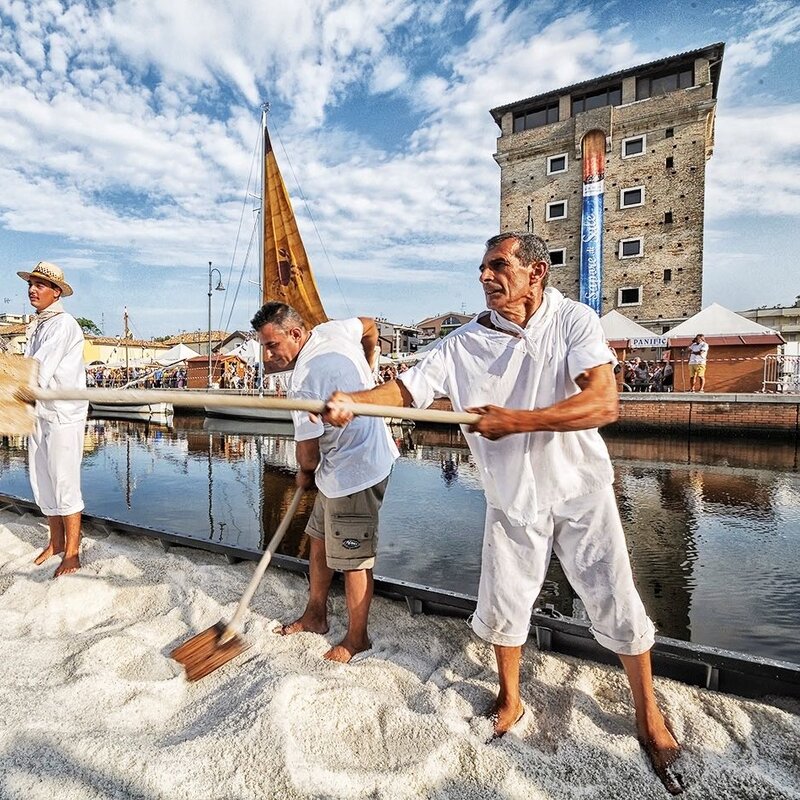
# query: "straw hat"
{"points": [[50, 272]]}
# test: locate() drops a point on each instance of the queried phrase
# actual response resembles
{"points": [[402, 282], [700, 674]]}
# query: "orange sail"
{"points": [[287, 274]]}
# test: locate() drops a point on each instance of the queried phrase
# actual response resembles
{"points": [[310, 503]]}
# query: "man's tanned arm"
{"points": [[369, 340], [597, 404]]}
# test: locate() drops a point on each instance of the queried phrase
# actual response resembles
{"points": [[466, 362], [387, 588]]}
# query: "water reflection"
{"points": [[713, 526]]}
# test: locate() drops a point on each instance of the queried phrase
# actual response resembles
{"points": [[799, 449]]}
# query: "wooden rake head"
{"points": [[17, 381]]}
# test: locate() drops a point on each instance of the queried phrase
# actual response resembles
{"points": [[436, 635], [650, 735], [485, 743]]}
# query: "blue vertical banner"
{"points": [[591, 277]]}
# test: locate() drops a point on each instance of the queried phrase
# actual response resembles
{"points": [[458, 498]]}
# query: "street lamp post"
{"points": [[218, 288]]}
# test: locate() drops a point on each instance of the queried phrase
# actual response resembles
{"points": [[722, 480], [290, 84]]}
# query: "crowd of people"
{"points": [[390, 372], [114, 377], [647, 376]]}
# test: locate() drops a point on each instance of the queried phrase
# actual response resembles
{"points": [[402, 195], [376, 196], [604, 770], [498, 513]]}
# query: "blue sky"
{"points": [[127, 130]]}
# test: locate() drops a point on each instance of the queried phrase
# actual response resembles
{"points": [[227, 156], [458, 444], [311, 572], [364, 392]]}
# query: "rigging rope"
{"points": [[313, 221]]}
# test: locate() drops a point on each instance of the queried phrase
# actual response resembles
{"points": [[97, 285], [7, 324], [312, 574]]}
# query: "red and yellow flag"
{"points": [[287, 274]]}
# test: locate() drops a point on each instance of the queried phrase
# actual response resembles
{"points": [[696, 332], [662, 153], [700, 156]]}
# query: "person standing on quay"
{"points": [[55, 448], [350, 467], [698, 355], [536, 368]]}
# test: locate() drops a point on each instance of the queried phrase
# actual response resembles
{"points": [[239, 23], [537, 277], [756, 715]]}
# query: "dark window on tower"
{"points": [[670, 162], [612, 96], [535, 117], [667, 217], [664, 82], [667, 275], [558, 257], [669, 133]]}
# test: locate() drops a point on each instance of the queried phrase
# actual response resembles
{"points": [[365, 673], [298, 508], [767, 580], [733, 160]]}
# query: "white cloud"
{"points": [[127, 130], [755, 169]]}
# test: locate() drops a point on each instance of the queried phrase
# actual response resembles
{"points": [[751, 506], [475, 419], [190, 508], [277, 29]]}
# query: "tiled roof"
{"points": [[196, 337], [12, 330], [120, 342]]}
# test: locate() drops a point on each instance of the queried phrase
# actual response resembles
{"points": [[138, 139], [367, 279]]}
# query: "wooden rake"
{"points": [[19, 391]]}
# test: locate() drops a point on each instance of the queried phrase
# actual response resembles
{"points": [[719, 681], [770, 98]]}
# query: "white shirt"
{"points": [[476, 366], [362, 453], [698, 352], [57, 344]]}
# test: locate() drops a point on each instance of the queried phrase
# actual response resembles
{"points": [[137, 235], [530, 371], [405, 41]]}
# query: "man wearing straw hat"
{"points": [[350, 467], [536, 369], [55, 448]]}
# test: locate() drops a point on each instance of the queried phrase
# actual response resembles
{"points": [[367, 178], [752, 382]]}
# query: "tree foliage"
{"points": [[87, 326]]}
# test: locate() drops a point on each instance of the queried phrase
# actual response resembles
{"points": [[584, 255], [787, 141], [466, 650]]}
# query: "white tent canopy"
{"points": [[180, 352], [716, 320], [616, 326], [249, 351]]}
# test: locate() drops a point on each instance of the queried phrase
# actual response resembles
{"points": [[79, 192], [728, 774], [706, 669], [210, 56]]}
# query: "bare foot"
{"points": [[505, 717], [48, 552], [345, 650], [663, 750], [68, 564], [305, 624]]}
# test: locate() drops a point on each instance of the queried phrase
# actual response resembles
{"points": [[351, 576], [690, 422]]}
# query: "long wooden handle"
{"points": [[211, 400], [234, 626]]}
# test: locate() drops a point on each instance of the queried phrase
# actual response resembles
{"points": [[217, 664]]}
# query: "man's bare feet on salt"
{"points": [[68, 564], [306, 624], [663, 751], [47, 553], [505, 716], [344, 652]]}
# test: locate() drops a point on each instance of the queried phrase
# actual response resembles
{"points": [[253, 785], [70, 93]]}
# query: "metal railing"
{"points": [[781, 374]]}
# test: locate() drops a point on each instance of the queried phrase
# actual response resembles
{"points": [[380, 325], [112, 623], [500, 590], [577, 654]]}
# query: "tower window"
{"points": [[631, 248], [634, 146], [663, 82], [535, 117], [630, 198], [667, 217], [558, 257], [612, 96], [670, 162], [557, 164], [669, 133], [556, 210], [629, 296]]}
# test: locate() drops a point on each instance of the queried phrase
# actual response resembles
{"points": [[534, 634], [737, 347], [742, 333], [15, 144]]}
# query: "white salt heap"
{"points": [[91, 706]]}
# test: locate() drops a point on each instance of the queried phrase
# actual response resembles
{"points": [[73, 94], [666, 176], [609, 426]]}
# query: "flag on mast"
{"points": [[287, 275]]}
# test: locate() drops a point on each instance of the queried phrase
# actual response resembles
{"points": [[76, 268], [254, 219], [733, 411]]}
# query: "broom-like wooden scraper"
{"points": [[222, 642]]}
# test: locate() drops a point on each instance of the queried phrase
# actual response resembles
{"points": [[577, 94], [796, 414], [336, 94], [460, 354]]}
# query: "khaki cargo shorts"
{"points": [[697, 370], [349, 526]]}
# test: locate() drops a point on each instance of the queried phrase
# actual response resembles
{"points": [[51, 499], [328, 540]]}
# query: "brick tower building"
{"points": [[658, 120]]}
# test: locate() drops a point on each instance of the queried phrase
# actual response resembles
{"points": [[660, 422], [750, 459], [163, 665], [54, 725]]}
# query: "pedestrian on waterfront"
{"points": [[667, 375], [55, 448], [698, 355], [350, 466], [536, 369]]}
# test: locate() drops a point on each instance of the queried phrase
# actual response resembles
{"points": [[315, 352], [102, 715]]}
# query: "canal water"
{"points": [[713, 526]]}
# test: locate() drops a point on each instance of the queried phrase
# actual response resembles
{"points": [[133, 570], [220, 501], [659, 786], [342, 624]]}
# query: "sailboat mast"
{"points": [[262, 211], [125, 336], [262, 283]]}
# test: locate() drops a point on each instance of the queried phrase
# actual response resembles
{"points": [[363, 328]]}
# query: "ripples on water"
{"points": [[713, 526]]}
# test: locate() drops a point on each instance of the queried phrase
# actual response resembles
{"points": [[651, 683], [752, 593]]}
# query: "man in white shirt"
{"points": [[698, 355], [55, 448], [349, 466], [537, 370]]}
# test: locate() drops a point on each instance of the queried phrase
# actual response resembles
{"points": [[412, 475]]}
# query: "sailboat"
{"points": [[155, 413], [284, 270]]}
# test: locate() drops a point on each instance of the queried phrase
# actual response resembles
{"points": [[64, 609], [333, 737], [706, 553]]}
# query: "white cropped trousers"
{"points": [[54, 461], [586, 535]]}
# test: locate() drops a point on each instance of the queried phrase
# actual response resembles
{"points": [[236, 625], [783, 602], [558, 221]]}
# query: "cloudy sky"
{"points": [[127, 131]]}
